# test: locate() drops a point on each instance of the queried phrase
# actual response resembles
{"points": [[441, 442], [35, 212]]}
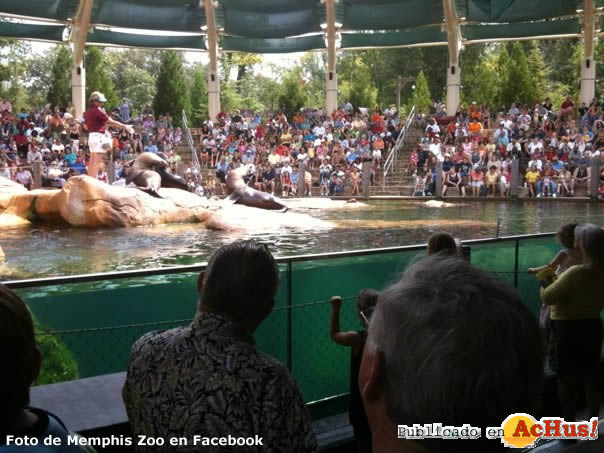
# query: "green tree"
{"points": [[517, 85], [539, 72], [59, 92], [98, 77], [356, 83], [421, 98], [199, 96], [172, 91], [292, 97]]}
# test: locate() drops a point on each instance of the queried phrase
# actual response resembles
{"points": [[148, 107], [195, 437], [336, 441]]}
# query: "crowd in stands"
{"points": [[335, 145], [554, 147], [479, 360]]}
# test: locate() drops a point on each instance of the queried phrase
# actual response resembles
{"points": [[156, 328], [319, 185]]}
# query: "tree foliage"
{"points": [[292, 97], [59, 92], [199, 96], [172, 92], [421, 98], [98, 77], [356, 83]]}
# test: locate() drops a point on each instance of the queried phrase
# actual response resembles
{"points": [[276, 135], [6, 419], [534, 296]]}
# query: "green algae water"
{"points": [[45, 252]]}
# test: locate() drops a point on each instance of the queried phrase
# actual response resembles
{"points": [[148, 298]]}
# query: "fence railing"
{"points": [[86, 324], [190, 144], [392, 158]]}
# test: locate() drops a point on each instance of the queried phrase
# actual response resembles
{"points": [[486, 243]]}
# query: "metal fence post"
{"points": [[37, 170], [438, 183], [594, 181], [301, 179], [289, 315], [516, 258], [515, 181], [366, 178]]}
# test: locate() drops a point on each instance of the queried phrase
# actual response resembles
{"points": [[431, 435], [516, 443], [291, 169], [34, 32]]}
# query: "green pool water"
{"points": [[97, 323], [44, 252]]}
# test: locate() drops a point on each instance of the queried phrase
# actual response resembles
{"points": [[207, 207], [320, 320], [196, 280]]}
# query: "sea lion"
{"points": [[239, 192], [148, 173]]}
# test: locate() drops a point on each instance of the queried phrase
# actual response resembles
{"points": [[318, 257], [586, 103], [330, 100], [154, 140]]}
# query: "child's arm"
{"points": [[553, 264], [350, 338]]}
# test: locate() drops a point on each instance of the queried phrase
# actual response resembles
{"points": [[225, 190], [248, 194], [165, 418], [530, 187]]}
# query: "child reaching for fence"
{"points": [[355, 339]]}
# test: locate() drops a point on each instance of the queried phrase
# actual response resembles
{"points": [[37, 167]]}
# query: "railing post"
{"points": [[37, 174], [301, 179], [111, 170], [595, 178], [180, 169], [289, 315], [438, 186], [516, 257], [515, 180], [366, 178]]}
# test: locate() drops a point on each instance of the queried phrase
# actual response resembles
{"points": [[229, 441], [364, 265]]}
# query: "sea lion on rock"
{"points": [[148, 173], [239, 192]]}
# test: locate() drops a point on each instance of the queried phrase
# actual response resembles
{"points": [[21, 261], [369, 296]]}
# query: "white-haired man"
{"points": [[448, 344]]}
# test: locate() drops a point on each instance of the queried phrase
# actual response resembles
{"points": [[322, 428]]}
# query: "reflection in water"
{"points": [[44, 252]]}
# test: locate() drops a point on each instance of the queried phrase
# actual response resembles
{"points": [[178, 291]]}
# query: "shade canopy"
{"points": [[280, 26]]}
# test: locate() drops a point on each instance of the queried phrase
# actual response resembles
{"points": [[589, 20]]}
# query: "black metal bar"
{"points": [[289, 316], [516, 258], [120, 275]]}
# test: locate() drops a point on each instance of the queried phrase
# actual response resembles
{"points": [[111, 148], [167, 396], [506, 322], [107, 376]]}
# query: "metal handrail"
{"points": [[286, 260], [189, 137], [400, 141]]}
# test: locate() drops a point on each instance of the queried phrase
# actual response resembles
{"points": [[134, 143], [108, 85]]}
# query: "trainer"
{"points": [[98, 141]]}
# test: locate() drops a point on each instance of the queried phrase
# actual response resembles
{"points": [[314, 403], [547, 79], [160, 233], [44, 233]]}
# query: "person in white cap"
{"points": [[96, 121]]}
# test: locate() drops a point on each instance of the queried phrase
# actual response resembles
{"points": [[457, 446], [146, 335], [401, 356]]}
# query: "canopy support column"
{"points": [[79, 34], [453, 70], [331, 87], [588, 65], [213, 77]]}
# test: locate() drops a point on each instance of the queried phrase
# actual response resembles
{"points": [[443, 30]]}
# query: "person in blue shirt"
{"points": [[79, 165], [150, 148], [70, 157], [21, 363]]}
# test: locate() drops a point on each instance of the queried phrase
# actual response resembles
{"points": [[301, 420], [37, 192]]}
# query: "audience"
{"points": [[208, 379], [452, 344]]}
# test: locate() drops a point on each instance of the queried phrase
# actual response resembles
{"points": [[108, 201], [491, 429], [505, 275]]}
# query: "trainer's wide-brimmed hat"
{"points": [[97, 96]]}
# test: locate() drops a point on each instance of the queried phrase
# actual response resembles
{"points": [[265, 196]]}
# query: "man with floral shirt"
{"points": [[208, 379]]}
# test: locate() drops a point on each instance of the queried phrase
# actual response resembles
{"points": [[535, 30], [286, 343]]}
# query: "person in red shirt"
{"points": [[96, 121]]}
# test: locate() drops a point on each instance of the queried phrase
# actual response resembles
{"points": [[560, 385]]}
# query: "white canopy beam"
{"points": [[331, 84], [588, 65], [213, 78], [79, 34], [454, 39]]}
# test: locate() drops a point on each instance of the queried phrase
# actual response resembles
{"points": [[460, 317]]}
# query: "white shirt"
{"points": [[34, 155], [433, 128], [537, 163], [287, 169], [532, 146], [435, 149]]}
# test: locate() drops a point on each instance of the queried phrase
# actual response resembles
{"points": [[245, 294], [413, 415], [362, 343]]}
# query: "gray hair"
{"points": [[459, 346], [591, 238]]}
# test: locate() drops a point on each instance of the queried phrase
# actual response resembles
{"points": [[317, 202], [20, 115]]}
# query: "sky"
{"points": [[282, 60]]}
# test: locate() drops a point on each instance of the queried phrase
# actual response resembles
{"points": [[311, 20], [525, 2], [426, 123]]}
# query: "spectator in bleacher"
{"points": [[582, 176], [532, 176], [355, 340], [492, 181], [576, 305], [462, 315], [21, 363], [208, 378], [454, 179]]}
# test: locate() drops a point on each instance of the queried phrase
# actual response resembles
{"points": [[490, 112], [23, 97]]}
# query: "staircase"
{"points": [[398, 181]]}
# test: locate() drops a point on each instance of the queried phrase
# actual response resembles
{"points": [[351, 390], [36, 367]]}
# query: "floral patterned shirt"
{"points": [[209, 380]]}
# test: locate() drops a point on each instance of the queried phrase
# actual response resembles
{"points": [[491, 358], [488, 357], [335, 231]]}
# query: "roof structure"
{"points": [[281, 26]]}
